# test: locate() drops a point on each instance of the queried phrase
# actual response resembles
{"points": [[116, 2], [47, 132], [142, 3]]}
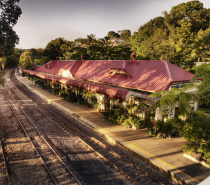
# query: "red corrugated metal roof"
{"points": [[178, 74], [146, 75], [110, 91], [55, 67], [122, 66]]}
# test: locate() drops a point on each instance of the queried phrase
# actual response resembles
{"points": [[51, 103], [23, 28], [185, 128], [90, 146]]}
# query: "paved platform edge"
{"points": [[160, 165]]}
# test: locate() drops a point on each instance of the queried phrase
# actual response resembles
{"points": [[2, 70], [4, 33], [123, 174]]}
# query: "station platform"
{"points": [[164, 154]]}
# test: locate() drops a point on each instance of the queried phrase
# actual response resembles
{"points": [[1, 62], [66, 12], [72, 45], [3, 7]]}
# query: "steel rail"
{"points": [[105, 159], [42, 138], [5, 162], [136, 167], [30, 139], [58, 121]]}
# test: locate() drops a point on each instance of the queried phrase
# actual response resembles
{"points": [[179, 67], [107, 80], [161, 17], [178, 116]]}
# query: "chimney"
{"points": [[57, 58], [133, 55], [82, 57]]}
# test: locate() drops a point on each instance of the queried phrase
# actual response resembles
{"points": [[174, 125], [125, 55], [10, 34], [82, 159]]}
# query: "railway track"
{"points": [[70, 153], [38, 143], [21, 164], [56, 168], [133, 172], [95, 167], [5, 179]]}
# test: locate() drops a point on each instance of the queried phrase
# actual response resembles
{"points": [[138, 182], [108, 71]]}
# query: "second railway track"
{"points": [[52, 151], [137, 175], [56, 168], [86, 159]]}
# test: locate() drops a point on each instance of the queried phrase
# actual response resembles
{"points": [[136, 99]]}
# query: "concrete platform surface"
{"points": [[164, 154]]}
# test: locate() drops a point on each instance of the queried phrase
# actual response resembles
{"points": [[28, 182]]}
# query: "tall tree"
{"points": [[13, 59], [193, 11], [113, 34], [65, 49], [26, 59], [125, 34], [201, 48], [9, 14], [53, 48], [42, 60], [181, 36]]}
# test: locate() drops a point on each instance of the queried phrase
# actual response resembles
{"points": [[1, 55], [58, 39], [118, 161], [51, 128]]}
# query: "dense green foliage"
{"points": [[196, 91], [95, 49], [2, 80], [169, 128], [113, 34], [53, 48], [181, 36], [26, 59], [196, 130], [125, 116], [42, 60], [195, 126], [9, 14]]}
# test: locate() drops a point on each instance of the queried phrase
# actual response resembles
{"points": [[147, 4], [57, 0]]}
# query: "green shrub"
{"points": [[122, 116], [196, 130], [204, 150], [169, 127]]}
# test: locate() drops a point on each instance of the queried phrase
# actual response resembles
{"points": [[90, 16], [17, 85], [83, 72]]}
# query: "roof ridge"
{"points": [[168, 70]]}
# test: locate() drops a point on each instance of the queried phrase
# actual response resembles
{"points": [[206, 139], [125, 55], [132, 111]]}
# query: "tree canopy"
{"points": [[26, 59], [9, 15], [125, 34], [53, 48], [113, 34], [181, 36]]}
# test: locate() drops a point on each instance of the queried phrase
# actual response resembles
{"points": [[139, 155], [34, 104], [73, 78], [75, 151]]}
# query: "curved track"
{"points": [[56, 168], [69, 154]]}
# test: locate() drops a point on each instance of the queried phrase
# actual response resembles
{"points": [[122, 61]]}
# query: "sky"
{"points": [[45, 20]]}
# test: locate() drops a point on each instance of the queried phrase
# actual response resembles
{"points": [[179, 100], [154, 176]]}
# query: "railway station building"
{"points": [[120, 88]]}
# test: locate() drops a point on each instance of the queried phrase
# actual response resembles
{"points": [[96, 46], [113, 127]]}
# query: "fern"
{"points": [[197, 91]]}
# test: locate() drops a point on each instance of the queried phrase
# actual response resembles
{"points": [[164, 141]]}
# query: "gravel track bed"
{"points": [[84, 162], [89, 133], [23, 160]]}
